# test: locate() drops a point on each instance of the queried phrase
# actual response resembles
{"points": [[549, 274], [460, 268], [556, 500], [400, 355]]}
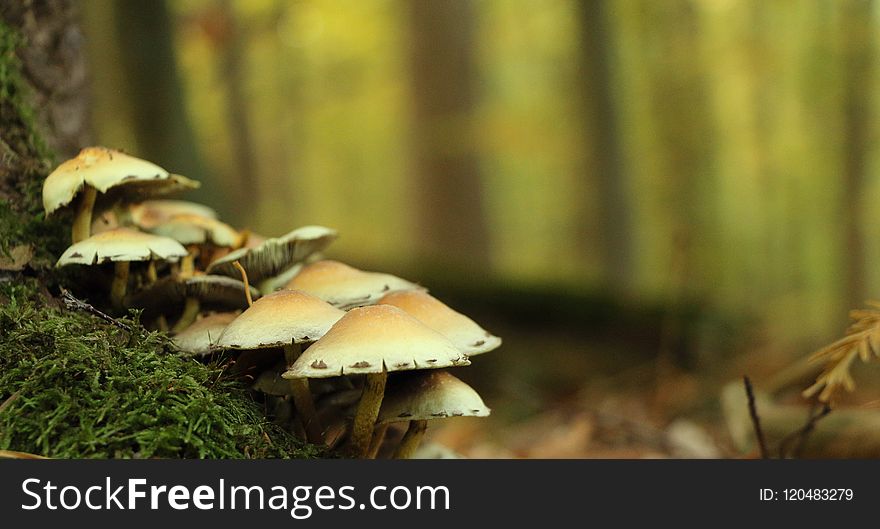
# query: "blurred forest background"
{"points": [[658, 196]]}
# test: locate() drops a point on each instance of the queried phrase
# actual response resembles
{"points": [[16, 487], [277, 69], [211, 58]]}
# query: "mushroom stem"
{"points": [[367, 411], [120, 283], [189, 315], [302, 397], [187, 266], [376, 441], [411, 439], [152, 276], [82, 222]]}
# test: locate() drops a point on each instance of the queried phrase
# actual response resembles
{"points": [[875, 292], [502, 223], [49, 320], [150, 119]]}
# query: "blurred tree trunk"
{"points": [[144, 34], [232, 49], [603, 154], [451, 227], [857, 35]]}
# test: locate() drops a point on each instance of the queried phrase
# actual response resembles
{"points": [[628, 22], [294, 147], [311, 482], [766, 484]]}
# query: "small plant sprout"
{"points": [[98, 170], [121, 246], [372, 341]]}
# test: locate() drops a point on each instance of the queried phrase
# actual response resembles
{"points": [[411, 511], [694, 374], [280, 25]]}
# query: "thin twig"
{"points": [[244, 279], [803, 433], [756, 421], [8, 402], [71, 302]]}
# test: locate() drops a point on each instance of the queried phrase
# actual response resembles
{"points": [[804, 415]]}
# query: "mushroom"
{"points": [[344, 286], [200, 337], [121, 245], [98, 169], [195, 293], [285, 319], [470, 338], [200, 234], [420, 397], [151, 213], [275, 255], [373, 341]]}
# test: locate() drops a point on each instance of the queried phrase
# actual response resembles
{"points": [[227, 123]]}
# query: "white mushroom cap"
{"points": [[280, 318], [344, 286], [188, 228], [101, 168], [470, 338], [275, 255], [122, 244], [199, 337], [370, 339], [429, 395]]}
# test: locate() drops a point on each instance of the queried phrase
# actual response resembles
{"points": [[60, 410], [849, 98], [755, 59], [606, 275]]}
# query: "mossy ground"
{"points": [[74, 386]]}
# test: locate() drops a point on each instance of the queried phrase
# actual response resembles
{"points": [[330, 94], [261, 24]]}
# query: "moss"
{"points": [[75, 387]]}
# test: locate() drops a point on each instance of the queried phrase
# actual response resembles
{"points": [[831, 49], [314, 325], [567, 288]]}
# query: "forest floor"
{"points": [[565, 395]]}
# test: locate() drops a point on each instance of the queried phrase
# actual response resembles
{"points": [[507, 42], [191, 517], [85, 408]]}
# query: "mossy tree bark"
{"points": [[43, 110]]}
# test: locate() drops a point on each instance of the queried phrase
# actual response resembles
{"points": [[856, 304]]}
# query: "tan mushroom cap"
{"points": [[280, 318], [188, 228], [150, 213], [101, 168], [470, 338], [370, 339], [122, 244], [430, 395], [344, 286], [275, 255], [199, 337]]}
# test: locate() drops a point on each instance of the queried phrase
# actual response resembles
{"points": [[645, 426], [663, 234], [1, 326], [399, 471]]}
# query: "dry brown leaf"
{"points": [[18, 258]]}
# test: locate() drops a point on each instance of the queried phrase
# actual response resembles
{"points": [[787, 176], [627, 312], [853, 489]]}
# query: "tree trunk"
{"points": [[450, 217], [146, 43], [232, 60], [42, 110], [603, 156], [53, 74], [857, 35]]}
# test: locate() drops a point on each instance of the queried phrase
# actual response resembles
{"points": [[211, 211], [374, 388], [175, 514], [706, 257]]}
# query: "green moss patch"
{"points": [[73, 386]]}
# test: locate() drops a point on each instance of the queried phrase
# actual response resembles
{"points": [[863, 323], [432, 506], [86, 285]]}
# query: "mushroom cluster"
{"points": [[339, 355]]}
